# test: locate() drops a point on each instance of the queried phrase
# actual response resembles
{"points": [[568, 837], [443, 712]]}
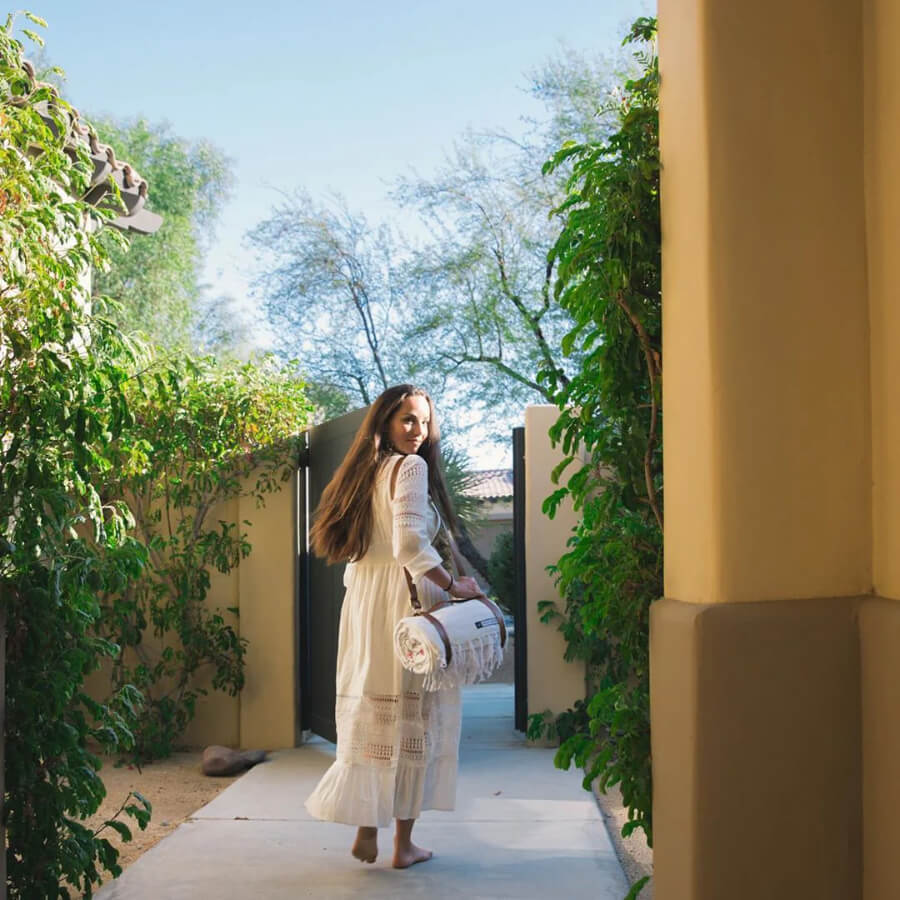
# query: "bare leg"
{"points": [[406, 853], [365, 847]]}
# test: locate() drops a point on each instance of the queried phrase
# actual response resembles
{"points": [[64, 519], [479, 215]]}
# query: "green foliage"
{"points": [[636, 888], [610, 427], [52, 780], [88, 420], [157, 283], [203, 434], [561, 727], [458, 476], [501, 570], [568, 85], [328, 401], [63, 370]]}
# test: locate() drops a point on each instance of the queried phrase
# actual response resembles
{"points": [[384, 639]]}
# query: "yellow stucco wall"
{"points": [[216, 719], [553, 683], [494, 517], [879, 641], [780, 123], [879, 626], [694, 553], [882, 189], [263, 715], [765, 327], [268, 609]]}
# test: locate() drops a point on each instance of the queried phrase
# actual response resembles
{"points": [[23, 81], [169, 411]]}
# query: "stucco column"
{"points": [[554, 683], [768, 459], [879, 632], [268, 603]]}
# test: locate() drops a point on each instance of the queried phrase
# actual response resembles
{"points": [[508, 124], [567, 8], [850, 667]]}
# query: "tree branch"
{"points": [[654, 367], [545, 287], [365, 307], [532, 320], [360, 297], [501, 366]]}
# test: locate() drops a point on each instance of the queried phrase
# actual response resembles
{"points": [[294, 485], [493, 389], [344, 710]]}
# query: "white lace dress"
{"points": [[397, 745]]}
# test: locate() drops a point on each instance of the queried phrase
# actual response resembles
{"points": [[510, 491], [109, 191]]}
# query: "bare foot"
{"points": [[365, 847], [409, 855]]}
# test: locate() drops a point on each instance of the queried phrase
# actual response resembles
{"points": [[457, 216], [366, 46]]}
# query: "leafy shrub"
{"points": [[609, 281], [52, 779], [62, 368], [76, 417]]}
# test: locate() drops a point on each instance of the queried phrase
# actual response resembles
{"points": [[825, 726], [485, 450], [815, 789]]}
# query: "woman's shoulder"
{"points": [[403, 461], [402, 466], [400, 462], [412, 462]]}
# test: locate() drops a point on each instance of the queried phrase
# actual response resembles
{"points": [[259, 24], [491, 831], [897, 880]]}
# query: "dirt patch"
{"points": [[175, 787]]}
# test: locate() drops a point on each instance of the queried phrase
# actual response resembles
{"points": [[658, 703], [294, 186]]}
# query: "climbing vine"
{"points": [[203, 433], [610, 430]]}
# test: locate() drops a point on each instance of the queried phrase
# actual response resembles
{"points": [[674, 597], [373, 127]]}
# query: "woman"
{"points": [[397, 745]]}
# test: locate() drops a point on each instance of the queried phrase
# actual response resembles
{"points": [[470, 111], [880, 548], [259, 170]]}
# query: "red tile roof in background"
{"points": [[491, 484], [132, 188]]}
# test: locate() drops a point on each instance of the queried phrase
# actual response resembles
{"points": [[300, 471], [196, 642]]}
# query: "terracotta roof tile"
{"points": [[491, 484], [132, 187]]}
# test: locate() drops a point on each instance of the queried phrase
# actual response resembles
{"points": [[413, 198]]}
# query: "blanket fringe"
{"points": [[470, 662]]}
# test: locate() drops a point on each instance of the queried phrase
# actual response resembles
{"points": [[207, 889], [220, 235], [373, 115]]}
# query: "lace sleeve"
{"points": [[411, 516]]}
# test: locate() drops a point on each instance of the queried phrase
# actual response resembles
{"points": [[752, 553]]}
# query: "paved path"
{"points": [[522, 829]]}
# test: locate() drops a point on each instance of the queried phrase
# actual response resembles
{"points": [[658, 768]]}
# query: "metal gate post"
{"points": [[301, 582], [519, 604]]}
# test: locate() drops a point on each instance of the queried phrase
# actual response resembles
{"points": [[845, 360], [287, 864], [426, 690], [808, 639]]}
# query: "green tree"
{"points": [[79, 405], [491, 321], [227, 327], [458, 475], [158, 283], [608, 257], [332, 295], [470, 311]]}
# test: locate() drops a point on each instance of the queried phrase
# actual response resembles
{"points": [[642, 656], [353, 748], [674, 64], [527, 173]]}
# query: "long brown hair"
{"points": [[343, 519]]}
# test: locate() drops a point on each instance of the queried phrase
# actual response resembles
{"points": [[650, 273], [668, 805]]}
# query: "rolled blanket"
{"points": [[476, 645]]}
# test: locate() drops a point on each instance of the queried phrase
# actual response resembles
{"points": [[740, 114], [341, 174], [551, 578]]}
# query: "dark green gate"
{"points": [[320, 586]]}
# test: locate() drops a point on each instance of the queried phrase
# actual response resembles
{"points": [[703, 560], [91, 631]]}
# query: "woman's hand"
{"points": [[465, 587]]}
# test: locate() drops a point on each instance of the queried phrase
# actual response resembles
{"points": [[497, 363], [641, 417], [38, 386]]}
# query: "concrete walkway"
{"points": [[522, 829]]}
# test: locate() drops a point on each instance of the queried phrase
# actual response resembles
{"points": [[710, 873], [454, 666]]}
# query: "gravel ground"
{"points": [[634, 854]]}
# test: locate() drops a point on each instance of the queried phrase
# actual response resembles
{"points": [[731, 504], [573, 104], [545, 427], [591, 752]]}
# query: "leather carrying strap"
{"points": [[417, 606]]}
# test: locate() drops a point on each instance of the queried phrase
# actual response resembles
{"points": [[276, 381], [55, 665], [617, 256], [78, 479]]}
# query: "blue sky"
{"points": [[324, 96]]}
